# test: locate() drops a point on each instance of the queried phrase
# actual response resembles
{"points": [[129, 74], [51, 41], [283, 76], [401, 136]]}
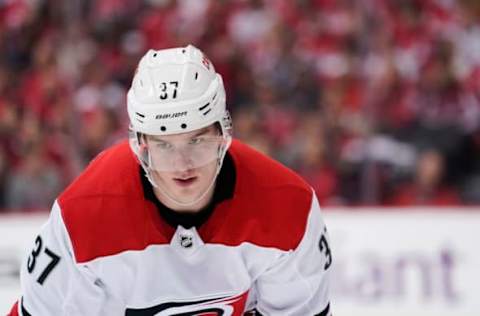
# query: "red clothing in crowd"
{"points": [[409, 195]]}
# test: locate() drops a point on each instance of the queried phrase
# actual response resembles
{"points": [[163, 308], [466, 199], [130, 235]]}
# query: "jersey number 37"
{"points": [[37, 251]]}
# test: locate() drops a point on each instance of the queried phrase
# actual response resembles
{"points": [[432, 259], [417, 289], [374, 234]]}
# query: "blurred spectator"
{"points": [[98, 126], [467, 160], [3, 180], [312, 159], [428, 186], [34, 183]]}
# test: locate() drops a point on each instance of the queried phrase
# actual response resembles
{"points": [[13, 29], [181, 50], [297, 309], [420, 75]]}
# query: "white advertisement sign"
{"points": [[406, 262], [386, 262]]}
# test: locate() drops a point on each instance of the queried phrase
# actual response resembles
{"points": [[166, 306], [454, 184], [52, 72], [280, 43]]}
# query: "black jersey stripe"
{"points": [[325, 311], [24, 310]]}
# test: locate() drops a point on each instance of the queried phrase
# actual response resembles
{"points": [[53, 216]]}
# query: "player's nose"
{"points": [[182, 160]]}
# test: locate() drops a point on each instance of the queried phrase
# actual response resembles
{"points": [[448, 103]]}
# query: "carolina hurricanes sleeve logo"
{"points": [[219, 306]]}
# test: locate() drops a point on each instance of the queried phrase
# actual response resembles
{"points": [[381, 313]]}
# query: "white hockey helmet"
{"points": [[173, 91]]}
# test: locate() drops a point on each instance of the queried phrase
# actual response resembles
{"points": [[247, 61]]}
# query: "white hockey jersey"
{"points": [[106, 250]]}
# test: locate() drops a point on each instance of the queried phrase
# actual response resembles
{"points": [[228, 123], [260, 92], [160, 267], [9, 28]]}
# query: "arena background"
{"points": [[376, 103]]}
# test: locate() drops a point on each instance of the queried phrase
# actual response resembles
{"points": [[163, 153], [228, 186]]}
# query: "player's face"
{"points": [[185, 165]]}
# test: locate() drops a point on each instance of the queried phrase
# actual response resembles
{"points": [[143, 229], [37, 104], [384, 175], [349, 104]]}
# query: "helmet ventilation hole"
{"points": [[196, 75], [163, 128], [155, 55], [184, 126]]}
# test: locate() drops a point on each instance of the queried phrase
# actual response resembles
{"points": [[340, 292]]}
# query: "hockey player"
{"points": [[181, 219]]}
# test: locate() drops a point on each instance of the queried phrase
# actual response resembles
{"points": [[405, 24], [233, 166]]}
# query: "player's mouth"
{"points": [[185, 182]]}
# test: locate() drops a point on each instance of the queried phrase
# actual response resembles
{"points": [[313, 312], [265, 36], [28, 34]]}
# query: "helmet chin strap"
{"points": [[207, 190]]}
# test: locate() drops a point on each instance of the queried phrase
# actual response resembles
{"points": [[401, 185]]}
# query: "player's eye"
{"points": [[162, 145], [196, 140]]}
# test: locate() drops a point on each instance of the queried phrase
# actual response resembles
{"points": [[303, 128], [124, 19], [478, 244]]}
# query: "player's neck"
{"points": [[182, 208]]}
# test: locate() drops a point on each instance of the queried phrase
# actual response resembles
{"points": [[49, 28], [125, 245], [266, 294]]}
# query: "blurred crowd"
{"points": [[374, 102]]}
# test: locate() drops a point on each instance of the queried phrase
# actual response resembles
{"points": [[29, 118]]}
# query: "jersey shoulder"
{"points": [[271, 203], [104, 209], [107, 174]]}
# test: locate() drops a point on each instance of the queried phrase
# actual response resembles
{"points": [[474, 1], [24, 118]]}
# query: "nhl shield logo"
{"points": [[186, 241]]}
